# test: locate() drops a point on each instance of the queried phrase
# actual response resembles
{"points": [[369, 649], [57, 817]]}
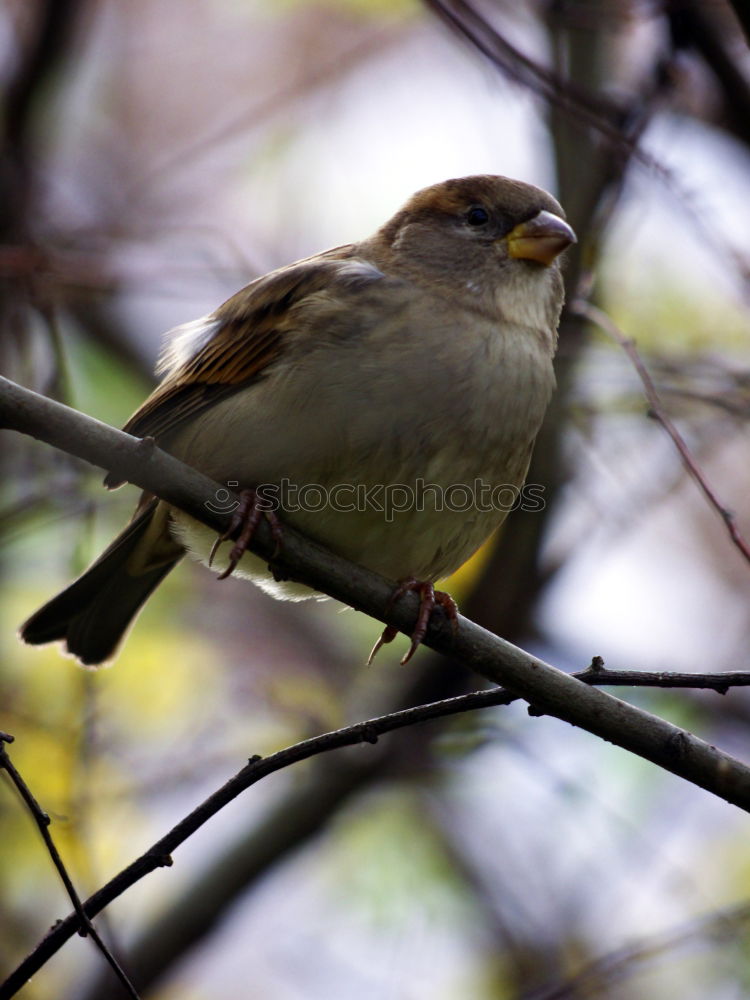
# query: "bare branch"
{"points": [[305, 810], [619, 125], [549, 690], [605, 116], [695, 24], [720, 682], [85, 927], [656, 410]]}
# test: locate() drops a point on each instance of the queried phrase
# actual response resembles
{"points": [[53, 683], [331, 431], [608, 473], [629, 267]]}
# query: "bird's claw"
{"points": [[247, 517], [428, 599]]}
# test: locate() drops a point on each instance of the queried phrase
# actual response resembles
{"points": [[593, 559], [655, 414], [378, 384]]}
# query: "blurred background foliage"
{"points": [[154, 157]]}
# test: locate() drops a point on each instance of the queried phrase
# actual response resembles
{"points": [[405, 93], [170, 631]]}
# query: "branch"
{"points": [[616, 123], [695, 24], [42, 820], [605, 116], [159, 854], [656, 410], [305, 810], [595, 111], [720, 682], [549, 690]]}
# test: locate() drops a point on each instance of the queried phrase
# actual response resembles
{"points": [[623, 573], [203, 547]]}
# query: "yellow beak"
{"points": [[541, 239]]}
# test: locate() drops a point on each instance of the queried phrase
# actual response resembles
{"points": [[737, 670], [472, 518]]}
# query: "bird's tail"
{"points": [[93, 614]]}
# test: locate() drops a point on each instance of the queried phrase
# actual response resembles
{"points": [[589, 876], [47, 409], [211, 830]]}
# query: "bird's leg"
{"points": [[251, 508], [428, 599]]}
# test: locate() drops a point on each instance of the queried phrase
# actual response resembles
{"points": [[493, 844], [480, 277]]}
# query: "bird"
{"points": [[357, 396]]}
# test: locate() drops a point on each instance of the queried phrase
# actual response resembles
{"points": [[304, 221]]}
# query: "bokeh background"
{"points": [[154, 157]]}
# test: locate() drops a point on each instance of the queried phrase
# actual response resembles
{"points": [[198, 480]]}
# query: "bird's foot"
{"points": [[428, 599], [252, 507]]}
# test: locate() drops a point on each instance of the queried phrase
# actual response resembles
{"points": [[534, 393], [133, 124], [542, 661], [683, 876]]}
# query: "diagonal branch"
{"points": [[549, 690], [594, 111], [306, 808], [656, 410], [42, 820], [618, 124]]}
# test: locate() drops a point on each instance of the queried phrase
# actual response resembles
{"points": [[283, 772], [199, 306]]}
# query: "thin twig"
{"points": [[720, 682], [42, 820], [594, 111], [656, 410]]}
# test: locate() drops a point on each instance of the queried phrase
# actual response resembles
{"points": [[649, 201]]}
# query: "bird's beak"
{"points": [[541, 239]]}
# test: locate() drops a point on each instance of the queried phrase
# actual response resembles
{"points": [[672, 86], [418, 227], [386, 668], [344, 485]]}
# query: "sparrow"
{"points": [[365, 396]]}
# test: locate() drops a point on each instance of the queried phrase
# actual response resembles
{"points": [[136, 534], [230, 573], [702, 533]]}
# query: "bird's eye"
{"points": [[477, 216]]}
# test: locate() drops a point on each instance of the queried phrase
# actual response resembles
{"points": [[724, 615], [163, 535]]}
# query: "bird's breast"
{"points": [[399, 459]]}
